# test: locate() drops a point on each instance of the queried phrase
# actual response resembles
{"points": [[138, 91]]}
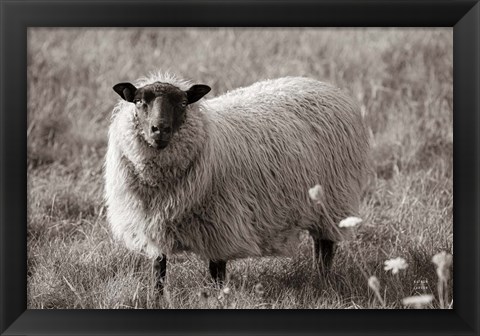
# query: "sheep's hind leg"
{"points": [[160, 268], [218, 271], [324, 252]]}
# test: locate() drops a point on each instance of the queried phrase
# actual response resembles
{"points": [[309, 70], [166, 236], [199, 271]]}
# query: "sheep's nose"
{"points": [[157, 131], [165, 129]]}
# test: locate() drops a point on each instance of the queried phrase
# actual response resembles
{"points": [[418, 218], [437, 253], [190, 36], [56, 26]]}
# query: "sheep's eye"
{"points": [[138, 102], [184, 104]]}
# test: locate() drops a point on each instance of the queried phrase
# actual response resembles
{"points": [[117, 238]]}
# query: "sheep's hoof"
{"points": [[218, 270], [159, 288], [160, 268], [324, 253]]}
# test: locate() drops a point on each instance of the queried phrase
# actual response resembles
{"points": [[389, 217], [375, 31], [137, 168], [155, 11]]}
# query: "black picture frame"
{"points": [[16, 16]]}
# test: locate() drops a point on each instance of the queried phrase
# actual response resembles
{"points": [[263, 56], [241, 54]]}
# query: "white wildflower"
{"points": [[226, 290], [349, 222], [443, 260], [395, 265], [418, 301], [373, 283], [316, 193]]}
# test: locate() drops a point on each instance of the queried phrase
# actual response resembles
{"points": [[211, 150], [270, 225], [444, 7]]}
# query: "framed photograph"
{"points": [[270, 167]]}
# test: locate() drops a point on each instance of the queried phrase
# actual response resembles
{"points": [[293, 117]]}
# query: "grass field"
{"points": [[402, 79]]}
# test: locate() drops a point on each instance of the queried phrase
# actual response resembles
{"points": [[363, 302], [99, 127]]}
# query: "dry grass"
{"points": [[403, 81]]}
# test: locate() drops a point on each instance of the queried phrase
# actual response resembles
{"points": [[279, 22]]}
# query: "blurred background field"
{"points": [[402, 79]]}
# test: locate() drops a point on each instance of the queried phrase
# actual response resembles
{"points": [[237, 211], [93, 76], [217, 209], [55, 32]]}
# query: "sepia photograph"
{"points": [[240, 168]]}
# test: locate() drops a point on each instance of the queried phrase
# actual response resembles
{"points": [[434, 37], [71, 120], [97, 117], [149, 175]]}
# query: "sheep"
{"points": [[228, 177]]}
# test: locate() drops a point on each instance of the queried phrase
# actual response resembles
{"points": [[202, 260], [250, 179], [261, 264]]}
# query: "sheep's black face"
{"points": [[160, 108]]}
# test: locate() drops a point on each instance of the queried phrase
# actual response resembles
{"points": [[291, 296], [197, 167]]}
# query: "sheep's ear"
{"points": [[196, 92], [126, 91]]}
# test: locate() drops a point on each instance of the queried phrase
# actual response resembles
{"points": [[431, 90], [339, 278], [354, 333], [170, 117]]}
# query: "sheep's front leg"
{"points": [[218, 270], [160, 267], [324, 252]]}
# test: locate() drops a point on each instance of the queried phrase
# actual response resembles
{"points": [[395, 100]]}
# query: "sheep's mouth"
{"points": [[155, 144], [159, 144]]}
